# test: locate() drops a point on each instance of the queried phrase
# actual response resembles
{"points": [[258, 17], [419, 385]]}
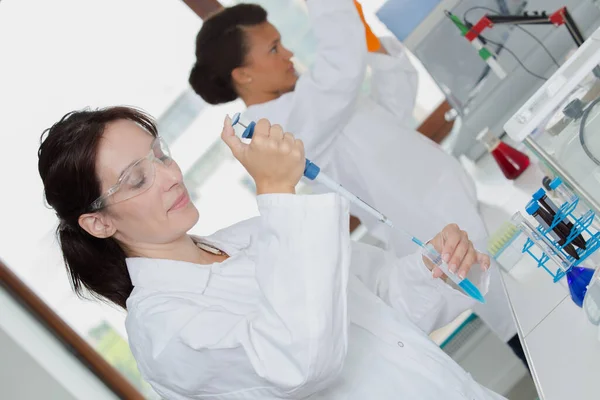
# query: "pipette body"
{"points": [[314, 173]]}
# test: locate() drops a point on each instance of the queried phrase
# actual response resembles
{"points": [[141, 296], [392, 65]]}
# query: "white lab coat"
{"points": [[293, 313], [366, 144]]}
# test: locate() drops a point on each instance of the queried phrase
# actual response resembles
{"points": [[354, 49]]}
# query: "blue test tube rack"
{"points": [[581, 225]]}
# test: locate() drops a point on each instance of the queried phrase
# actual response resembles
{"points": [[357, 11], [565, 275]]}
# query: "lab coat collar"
{"points": [[232, 239], [161, 274]]}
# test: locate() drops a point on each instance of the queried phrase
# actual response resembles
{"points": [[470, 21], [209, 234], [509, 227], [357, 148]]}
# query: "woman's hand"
{"points": [[457, 251], [274, 159]]}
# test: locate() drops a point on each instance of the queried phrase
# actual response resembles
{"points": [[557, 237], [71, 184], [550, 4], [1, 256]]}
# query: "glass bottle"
{"points": [[511, 161]]}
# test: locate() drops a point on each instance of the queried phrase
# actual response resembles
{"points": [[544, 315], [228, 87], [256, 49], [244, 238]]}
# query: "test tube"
{"points": [[465, 284], [565, 194], [541, 241], [562, 191], [565, 226], [543, 199], [545, 219]]}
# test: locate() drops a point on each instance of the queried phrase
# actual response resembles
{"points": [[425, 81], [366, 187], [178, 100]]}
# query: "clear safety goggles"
{"points": [[137, 178]]}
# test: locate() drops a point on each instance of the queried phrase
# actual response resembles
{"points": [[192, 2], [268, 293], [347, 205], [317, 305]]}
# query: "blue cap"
{"points": [[249, 131], [539, 194], [532, 207], [311, 170], [556, 182]]}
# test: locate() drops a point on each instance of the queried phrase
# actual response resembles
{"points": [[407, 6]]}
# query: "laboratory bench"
{"points": [[562, 346]]}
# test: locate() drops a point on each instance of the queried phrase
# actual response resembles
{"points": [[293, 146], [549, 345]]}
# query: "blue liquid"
{"points": [[418, 241], [578, 279], [466, 285], [472, 290]]}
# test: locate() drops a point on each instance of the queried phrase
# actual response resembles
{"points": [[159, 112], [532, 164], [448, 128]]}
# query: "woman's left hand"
{"points": [[457, 251]]}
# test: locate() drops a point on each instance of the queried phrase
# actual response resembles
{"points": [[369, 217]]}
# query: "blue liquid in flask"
{"points": [[579, 279]]}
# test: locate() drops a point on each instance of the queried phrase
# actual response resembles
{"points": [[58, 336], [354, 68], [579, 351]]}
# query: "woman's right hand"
{"points": [[274, 159]]}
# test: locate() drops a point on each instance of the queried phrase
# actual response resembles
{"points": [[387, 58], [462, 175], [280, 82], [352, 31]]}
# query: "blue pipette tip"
{"points": [[235, 119], [471, 290]]}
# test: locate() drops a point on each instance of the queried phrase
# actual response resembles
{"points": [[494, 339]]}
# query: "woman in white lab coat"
{"points": [[365, 142], [280, 306]]}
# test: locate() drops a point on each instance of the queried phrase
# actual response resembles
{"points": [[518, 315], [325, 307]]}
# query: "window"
{"points": [[113, 346], [180, 115]]}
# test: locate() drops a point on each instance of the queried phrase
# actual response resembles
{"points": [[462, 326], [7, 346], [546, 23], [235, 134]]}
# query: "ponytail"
{"points": [[97, 265]]}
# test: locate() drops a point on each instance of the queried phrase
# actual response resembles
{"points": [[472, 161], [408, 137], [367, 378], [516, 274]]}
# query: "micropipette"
{"points": [[313, 173]]}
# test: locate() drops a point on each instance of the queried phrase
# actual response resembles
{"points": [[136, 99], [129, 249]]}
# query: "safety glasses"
{"points": [[137, 178]]}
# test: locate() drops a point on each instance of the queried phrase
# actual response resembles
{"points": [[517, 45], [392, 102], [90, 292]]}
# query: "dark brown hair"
{"points": [[221, 47], [67, 166]]}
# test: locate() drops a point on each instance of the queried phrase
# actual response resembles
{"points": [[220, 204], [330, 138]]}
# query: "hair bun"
{"points": [[212, 88]]}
